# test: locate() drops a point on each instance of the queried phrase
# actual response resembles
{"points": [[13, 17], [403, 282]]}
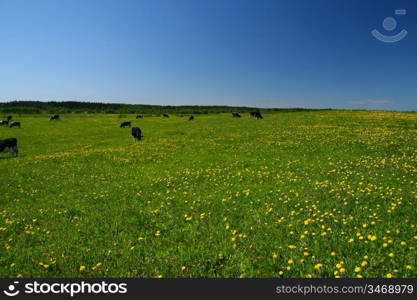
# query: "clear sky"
{"points": [[278, 53]]}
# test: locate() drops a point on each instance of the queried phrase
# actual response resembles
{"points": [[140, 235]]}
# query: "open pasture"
{"points": [[301, 194]]}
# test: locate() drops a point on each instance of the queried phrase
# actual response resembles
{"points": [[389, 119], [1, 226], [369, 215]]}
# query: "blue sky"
{"points": [[278, 53]]}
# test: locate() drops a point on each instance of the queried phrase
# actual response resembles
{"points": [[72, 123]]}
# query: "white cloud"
{"points": [[371, 103]]}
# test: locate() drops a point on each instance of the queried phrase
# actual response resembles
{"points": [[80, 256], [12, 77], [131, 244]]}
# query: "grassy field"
{"points": [[303, 194]]}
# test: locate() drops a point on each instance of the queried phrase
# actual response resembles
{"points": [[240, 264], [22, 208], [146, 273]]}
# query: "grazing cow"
{"points": [[54, 117], [235, 115], [165, 116], [4, 122], [137, 133], [191, 118], [15, 124], [9, 145], [124, 124], [256, 114], [9, 118], [139, 117]]}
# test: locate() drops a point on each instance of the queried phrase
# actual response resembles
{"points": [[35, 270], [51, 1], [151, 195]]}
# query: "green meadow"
{"points": [[297, 194]]}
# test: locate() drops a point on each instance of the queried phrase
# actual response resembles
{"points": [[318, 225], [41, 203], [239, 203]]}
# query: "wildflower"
{"points": [[389, 275], [290, 261], [391, 254], [372, 237], [364, 263], [82, 268], [318, 266], [292, 246], [357, 269]]}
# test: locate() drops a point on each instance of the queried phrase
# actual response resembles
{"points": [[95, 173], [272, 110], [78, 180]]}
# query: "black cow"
{"points": [[256, 114], [15, 124], [139, 117], [165, 116], [137, 133], [9, 118], [4, 122], [9, 145], [124, 124], [191, 118], [235, 115], [54, 117]]}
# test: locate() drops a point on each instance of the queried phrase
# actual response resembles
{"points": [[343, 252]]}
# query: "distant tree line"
{"points": [[53, 107]]}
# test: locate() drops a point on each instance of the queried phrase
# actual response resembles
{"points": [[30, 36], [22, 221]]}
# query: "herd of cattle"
{"points": [[10, 144], [9, 122]]}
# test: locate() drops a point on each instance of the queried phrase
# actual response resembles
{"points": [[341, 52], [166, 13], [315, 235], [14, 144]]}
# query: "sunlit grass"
{"points": [[306, 194]]}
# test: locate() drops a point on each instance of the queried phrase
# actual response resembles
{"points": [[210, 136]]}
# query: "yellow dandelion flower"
{"points": [[364, 263]]}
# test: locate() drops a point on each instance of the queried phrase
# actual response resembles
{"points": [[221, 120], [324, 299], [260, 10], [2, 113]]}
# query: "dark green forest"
{"points": [[54, 107]]}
